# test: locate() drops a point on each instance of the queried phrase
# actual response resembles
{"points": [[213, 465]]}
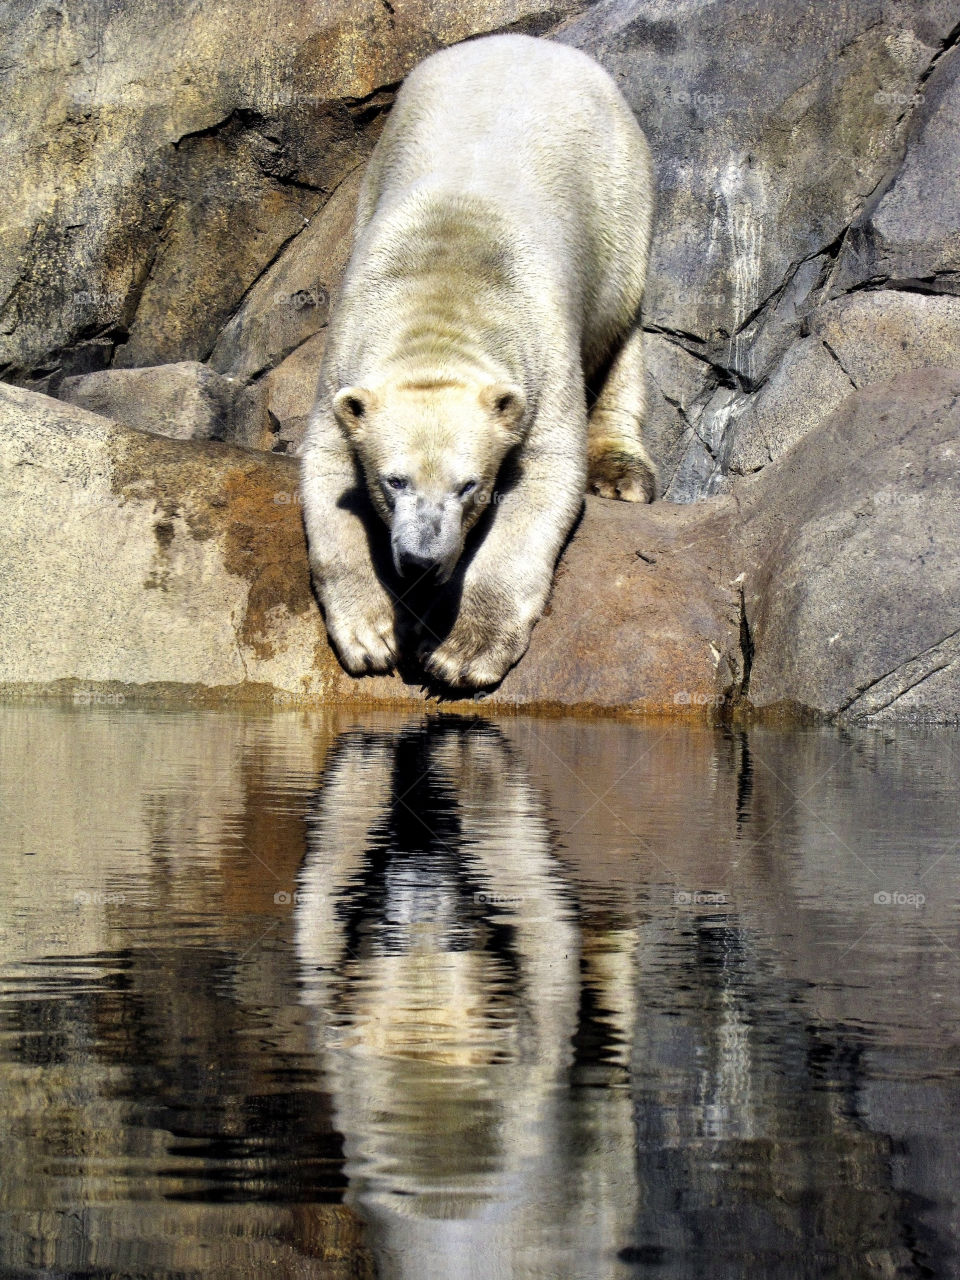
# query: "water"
{"points": [[302, 996]]}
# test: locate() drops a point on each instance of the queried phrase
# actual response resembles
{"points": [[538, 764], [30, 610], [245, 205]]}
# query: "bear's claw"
{"points": [[364, 645], [472, 665], [621, 469]]}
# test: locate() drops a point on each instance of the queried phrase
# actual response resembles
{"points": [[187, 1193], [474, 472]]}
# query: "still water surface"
{"points": [[301, 996]]}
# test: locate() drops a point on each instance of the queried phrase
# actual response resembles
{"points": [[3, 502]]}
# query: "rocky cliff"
{"points": [[180, 184]]}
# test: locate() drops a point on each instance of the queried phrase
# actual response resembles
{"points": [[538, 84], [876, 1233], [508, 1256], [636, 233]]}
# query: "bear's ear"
{"points": [[352, 406], [506, 403]]}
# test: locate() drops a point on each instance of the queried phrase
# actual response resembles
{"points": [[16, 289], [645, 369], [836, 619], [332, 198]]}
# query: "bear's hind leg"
{"points": [[618, 465]]}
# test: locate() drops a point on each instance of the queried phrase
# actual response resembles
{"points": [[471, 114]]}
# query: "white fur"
{"points": [[501, 240]]}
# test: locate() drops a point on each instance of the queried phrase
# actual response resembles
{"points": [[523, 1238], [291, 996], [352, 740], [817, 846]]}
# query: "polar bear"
{"points": [[499, 254]]}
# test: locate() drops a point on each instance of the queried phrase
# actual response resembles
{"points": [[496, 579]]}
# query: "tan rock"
{"points": [[185, 401], [156, 160], [828, 583]]}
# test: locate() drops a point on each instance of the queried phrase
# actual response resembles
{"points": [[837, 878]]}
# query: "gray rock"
{"points": [[679, 375], [767, 134], [695, 473], [674, 380], [850, 547], [701, 473], [878, 334], [911, 230], [770, 126], [867, 337], [765, 340], [807, 386], [291, 301], [185, 401]]}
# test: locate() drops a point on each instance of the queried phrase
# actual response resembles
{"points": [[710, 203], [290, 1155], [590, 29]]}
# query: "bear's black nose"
{"points": [[414, 565]]}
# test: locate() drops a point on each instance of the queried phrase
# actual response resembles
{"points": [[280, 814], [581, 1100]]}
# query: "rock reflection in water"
{"points": [[435, 996]]}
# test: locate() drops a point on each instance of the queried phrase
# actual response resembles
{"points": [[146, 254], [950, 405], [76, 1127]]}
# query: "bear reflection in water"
{"points": [[439, 949]]}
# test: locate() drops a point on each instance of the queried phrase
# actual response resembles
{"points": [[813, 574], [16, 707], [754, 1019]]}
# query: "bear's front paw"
{"points": [[362, 629], [477, 653]]}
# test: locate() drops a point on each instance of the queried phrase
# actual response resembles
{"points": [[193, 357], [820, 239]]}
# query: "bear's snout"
{"points": [[425, 537]]}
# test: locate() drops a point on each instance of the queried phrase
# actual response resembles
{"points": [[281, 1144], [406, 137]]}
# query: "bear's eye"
{"points": [[468, 488], [396, 483]]}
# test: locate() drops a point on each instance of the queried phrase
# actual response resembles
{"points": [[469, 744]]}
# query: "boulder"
{"points": [[185, 401], [134, 560], [878, 334], [272, 412], [808, 384], [290, 303], [865, 337], [850, 550]]}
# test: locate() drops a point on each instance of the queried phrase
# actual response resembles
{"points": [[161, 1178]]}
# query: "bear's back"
{"points": [[519, 116], [539, 133]]}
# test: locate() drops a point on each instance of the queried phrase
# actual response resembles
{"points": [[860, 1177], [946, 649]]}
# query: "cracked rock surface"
{"points": [[850, 546]]}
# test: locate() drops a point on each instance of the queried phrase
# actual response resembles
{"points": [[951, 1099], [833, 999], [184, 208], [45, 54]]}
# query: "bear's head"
{"points": [[430, 454]]}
